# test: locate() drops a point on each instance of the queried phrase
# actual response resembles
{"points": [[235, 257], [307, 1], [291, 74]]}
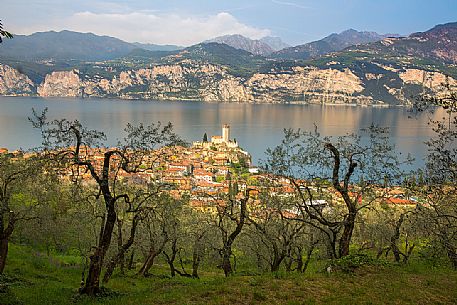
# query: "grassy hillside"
{"points": [[34, 278]]}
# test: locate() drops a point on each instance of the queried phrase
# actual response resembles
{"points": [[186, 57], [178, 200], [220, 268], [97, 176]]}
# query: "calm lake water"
{"points": [[255, 126]]}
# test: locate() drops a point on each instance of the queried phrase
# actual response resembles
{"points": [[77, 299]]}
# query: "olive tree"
{"points": [[128, 221], [272, 232], [439, 189], [335, 178], [159, 228], [81, 153], [390, 230], [229, 220]]}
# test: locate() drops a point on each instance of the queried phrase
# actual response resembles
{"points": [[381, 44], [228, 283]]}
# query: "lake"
{"points": [[255, 126]]}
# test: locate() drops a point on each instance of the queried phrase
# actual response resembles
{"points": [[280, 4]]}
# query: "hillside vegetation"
{"points": [[53, 279]]}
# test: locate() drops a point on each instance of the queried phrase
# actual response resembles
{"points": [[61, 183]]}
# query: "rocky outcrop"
{"points": [[306, 84], [437, 83], [208, 82], [12, 82], [431, 80], [232, 90], [61, 83]]}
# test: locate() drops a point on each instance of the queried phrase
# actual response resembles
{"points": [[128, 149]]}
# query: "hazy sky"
{"points": [[186, 22]]}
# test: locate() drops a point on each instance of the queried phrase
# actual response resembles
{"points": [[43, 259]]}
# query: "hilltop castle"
{"points": [[219, 140]]}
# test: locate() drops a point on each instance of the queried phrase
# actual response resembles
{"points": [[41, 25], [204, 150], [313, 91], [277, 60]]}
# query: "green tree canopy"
{"points": [[3, 33]]}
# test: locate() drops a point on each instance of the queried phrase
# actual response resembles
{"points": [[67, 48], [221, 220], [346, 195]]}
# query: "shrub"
{"points": [[349, 263]]}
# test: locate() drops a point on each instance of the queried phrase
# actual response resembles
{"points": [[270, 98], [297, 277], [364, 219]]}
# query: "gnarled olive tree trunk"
{"points": [[92, 283]]}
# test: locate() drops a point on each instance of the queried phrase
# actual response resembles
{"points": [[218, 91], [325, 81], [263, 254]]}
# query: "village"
{"points": [[206, 171]]}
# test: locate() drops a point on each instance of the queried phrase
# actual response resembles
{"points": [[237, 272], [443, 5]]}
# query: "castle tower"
{"points": [[225, 133]]}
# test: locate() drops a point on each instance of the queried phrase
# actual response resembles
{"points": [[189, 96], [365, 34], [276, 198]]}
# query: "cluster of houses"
{"points": [[207, 168]]}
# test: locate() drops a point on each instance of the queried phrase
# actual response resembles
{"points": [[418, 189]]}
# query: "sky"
{"points": [[186, 22]]}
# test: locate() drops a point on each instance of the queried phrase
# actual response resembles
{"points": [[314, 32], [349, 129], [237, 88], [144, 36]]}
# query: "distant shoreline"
{"points": [[304, 103]]}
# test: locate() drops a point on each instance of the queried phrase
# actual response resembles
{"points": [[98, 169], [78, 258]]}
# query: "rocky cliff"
{"points": [[61, 83], [193, 81], [190, 80], [432, 80], [306, 84], [12, 82]]}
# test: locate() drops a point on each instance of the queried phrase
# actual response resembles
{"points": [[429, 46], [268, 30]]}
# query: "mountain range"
{"points": [[68, 45], [438, 43], [332, 43], [265, 46], [351, 67], [64, 45]]}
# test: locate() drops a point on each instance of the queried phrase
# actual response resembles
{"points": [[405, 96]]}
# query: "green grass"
{"points": [[33, 278]]}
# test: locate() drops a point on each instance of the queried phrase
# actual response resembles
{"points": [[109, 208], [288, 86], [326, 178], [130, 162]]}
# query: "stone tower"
{"points": [[225, 133]]}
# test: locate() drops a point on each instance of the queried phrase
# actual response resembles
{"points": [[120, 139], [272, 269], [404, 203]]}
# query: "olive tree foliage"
{"points": [[172, 233], [440, 221], [441, 167], [335, 178], [24, 186], [182, 241], [390, 231], [4, 33], [65, 222], [80, 153], [272, 236], [439, 211]]}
